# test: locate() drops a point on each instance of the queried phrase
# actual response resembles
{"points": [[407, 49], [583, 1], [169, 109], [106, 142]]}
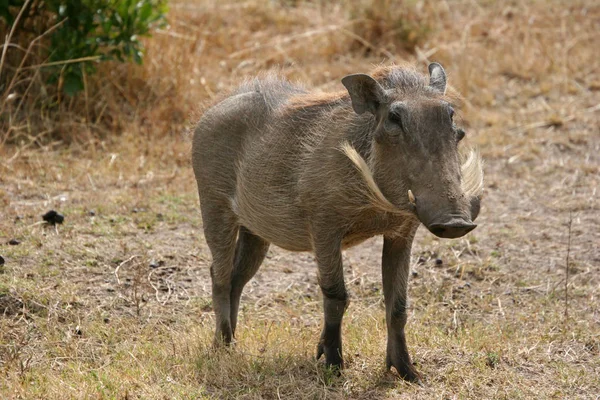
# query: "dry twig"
{"points": [[10, 34], [567, 267], [120, 265], [21, 65]]}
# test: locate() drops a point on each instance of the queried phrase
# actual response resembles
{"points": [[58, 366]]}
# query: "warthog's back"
{"points": [[247, 157]]}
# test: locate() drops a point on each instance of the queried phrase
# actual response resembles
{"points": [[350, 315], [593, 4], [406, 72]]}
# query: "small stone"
{"points": [[155, 264], [421, 260], [14, 242], [53, 218], [106, 320], [78, 331], [91, 213], [415, 274], [438, 261]]}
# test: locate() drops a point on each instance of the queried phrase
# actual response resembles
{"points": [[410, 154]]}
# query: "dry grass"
{"points": [[117, 304]]}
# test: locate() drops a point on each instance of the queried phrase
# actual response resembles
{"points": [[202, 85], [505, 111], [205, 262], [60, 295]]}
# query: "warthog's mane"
{"points": [[405, 79]]}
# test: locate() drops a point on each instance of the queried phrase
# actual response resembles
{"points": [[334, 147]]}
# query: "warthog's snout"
{"points": [[446, 225], [454, 228]]}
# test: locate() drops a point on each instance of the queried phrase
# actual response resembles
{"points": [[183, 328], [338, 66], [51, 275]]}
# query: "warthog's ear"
{"points": [[437, 77], [366, 93]]}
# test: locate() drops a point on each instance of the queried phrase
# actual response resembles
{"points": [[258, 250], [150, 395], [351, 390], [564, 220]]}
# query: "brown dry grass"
{"points": [[86, 316]]}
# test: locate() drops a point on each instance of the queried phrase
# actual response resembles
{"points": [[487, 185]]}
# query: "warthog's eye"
{"points": [[451, 111], [396, 119]]}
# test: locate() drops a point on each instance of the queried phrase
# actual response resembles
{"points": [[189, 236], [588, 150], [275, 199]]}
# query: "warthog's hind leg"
{"points": [[249, 255], [220, 231]]}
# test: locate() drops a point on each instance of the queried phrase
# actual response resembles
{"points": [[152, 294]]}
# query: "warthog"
{"points": [[323, 172]]}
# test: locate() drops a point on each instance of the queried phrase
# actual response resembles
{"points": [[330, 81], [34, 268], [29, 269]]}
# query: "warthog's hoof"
{"points": [[333, 358], [223, 337], [405, 370]]}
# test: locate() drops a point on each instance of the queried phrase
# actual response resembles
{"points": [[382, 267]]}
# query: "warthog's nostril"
{"points": [[451, 230]]}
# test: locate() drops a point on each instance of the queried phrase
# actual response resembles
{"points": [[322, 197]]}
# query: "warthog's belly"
{"points": [[379, 225], [283, 225], [287, 239], [356, 239]]}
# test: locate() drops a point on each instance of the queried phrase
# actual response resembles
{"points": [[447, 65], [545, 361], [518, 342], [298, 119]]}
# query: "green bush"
{"points": [[86, 30]]}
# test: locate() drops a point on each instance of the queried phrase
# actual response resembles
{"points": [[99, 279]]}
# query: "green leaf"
{"points": [[73, 83], [145, 12]]}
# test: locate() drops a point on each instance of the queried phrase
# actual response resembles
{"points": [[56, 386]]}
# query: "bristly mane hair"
{"points": [[400, 77]]}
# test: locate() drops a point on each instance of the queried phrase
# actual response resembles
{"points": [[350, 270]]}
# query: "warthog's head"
{"points": [[415, 163]]}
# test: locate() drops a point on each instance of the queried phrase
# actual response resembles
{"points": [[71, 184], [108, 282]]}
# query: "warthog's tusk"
{"points": [[411, 198]]}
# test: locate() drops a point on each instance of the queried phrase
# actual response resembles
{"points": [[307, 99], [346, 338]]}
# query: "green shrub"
{"points": [[86, 30]]}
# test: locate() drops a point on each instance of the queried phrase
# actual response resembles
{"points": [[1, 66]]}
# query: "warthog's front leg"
{"points": [[335, 299], [395, 268]]}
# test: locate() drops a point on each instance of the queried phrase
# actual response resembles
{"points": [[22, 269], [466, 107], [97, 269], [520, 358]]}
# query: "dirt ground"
{"points": [[115, 301]]}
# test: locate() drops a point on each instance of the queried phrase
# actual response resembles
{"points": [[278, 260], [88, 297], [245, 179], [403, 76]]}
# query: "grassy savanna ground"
{"points": [[115, 303]]}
